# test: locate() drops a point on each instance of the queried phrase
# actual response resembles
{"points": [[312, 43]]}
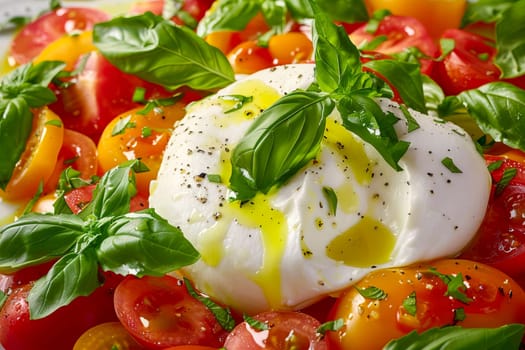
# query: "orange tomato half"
{"points": [[67, 48], [132, 135], [39, 157], [105, 336], [437, 15]]}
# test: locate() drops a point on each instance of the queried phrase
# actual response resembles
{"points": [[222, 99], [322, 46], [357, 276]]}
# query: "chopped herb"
{"points": [[54, 122], [449, 164], [223, 315], [54, 5], [3, 298], [331, 326], [139, 95], [372, 292], [240, 101], [495, 165], [411, 121], [483, 56], [122, 125], [216, 178], [146, 131], [32, 202], [409, 303], [455, 285], [256, 324], [331, 197], [447, 46], [459, 314], [506, 178], [377, 17]]}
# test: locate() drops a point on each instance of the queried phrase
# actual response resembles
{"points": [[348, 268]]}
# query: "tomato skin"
{"points": [[34, 37], [282, 325], [291, 47], [500, 240], [99, 94], [58, 331], [248, 57], [173, 316], [437, 15], [370, 324], [402, 33]]}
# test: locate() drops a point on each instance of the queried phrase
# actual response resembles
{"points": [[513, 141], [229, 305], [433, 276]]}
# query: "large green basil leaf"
{"points": [[339, 10], [336, 56], [160, 52], [405, 77], [499, 111], [37, 238], [74, 275], [510, 56], [458, 338], [143, 243], [283, 139], [228, 15], [365, 118], [485, 11]]}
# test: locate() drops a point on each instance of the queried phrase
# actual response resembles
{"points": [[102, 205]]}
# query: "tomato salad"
{"points": [[86, 119]]}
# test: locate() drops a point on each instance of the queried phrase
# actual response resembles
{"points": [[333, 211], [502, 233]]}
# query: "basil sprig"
{"points": [[104, 235], [161, 52], [510, 43], [287, 135], [21, 90], [458, 338]]}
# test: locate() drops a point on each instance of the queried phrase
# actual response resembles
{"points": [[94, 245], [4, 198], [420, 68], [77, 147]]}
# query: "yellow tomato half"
{"points": [[68, 48], [132, 135], [436, 15], [39, 157], [107, 336]]}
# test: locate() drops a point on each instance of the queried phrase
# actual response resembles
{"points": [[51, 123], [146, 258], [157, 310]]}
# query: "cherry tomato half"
{"points": [[159, 312], [34, 37], [248, 57], [284, 330], [105, 336], [492, 299]]}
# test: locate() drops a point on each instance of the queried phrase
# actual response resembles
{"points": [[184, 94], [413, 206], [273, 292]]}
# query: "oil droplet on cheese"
{"points": [[354, 156], [258, 213], [367, 243], [210, 246]]}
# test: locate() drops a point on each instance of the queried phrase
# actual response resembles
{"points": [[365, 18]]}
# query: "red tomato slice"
{"points": [[195, 8], [34, 37], [159, 312], [469, 65], [399, 33], [287, 330], [60, 330], [500, 241], [100, 93]]}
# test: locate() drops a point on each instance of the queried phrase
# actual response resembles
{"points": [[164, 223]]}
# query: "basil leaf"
{"points": [[112, 195], [365, 118], [228, 15], [506, 178], [372, 292], [282, 139], [331, 198], [410, 304], [15, 128], [455, 285], [497, 107], [485, 11], [75, 274], [330, 326], [274, 13], [458, 338], [143, 243], [338, 10], [510, 56], [405, 77], [335, 55], [37, 238], [450, 165], [160, 52], [255, 324]]}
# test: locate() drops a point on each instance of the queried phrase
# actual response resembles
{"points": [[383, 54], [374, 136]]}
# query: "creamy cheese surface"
{"points": [[286, 249]]}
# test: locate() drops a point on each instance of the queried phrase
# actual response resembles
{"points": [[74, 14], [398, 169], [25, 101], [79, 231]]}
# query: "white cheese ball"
{"points": [[287, 249]]}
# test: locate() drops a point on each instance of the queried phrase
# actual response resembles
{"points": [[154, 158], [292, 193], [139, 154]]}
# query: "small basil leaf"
{"points": [[405, 77], [335, 55], [37, 96], [455, 285], [143, 243], [74, 275], [330, 326], [255, 324], [410, 304], [331, 198], [228, 15], [372, 293], [450, 165], [338, 10], [44, 72], [274, 13], [506, 178], [283, 139], [365, 118], [485, 11], [15, 128], [158, 51], [497, 108], [510, 56], [37, 238], [458, 338], [112, 195]]}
